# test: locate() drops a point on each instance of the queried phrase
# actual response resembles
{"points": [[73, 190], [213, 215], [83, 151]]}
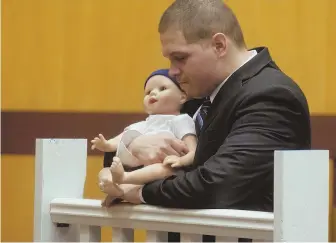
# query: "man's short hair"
{"points": [[201, 19]]}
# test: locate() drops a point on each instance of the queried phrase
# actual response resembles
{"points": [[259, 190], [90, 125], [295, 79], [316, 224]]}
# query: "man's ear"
{"points": [[183, 98], [219, 43]]}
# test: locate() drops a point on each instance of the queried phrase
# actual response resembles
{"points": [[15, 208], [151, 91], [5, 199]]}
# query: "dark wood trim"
{"points": [[19, 129], [324, 133], [334, 183]]}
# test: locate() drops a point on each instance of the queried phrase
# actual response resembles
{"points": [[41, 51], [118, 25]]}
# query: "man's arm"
{"points": [[264, 123], [108, 158]]}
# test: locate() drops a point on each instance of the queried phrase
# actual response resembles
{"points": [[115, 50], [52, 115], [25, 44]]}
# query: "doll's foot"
{"points": [[113, 190], [117, 170]]}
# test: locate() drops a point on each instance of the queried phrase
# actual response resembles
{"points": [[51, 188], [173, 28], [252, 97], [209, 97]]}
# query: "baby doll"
{"points": [[163, 99]]}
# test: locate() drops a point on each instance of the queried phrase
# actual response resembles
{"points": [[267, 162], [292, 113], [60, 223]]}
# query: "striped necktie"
{"points": [[200, 117]]}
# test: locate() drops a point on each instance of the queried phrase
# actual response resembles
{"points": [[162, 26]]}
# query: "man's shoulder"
{"points": [[272, 82]]}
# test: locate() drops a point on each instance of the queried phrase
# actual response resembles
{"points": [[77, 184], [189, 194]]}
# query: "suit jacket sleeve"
{"points": [[108, 158], [265, 121]]}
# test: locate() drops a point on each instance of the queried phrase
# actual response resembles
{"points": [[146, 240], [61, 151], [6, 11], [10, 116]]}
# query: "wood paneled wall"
{"points": [[86, 55]]}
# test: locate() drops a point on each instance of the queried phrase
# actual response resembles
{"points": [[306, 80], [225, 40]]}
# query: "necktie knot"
{"points": [[206, 104], [201, 115]]}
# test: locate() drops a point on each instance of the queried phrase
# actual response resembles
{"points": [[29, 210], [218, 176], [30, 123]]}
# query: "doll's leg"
{"points": [[140, 176]]}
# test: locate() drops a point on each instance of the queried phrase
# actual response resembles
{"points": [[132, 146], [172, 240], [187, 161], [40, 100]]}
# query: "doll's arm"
{"points": [[113, 142], [104, 145], [191, 141]]}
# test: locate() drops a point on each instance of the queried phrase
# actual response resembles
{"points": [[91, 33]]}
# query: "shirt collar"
{"points": [[214, 93]]}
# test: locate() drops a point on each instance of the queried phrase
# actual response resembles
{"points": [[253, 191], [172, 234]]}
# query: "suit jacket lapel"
{"points": [[229, 89], [235, 81]]}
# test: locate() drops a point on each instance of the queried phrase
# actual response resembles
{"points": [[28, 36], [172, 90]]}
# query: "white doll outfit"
{"points": [[176, 126]]}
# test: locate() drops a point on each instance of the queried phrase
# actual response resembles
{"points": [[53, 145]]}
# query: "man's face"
{"points": [[194, 65]]}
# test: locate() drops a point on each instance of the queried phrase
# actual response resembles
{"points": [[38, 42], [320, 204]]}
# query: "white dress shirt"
{"points": [[215, 92]]}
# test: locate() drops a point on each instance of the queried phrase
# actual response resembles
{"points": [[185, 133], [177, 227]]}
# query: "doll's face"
{"points": [[162, 96]]}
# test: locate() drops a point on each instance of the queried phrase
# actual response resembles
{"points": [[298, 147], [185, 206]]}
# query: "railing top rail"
{"points": [[221, 222]]}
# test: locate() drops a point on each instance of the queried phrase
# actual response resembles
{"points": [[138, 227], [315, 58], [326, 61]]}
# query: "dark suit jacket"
{"points": [[258, 110]]}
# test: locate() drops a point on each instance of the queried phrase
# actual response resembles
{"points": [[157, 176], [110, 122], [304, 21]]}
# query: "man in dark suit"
{"points": [[250, 109]]}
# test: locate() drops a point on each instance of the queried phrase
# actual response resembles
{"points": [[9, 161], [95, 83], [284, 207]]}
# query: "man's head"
{"points": [[200, 38]]}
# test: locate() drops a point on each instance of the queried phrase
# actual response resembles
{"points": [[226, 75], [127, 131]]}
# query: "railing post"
{"points": [[60, 171], [301, 196]]}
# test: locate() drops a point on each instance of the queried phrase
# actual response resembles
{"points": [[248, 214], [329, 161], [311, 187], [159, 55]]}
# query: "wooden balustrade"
{"points": [[230, 224], [61, 214]]}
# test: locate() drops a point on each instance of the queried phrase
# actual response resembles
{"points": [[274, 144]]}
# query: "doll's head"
{"points": [[163, 94]]}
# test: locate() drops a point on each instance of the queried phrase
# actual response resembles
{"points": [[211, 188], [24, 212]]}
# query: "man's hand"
{"points": [[131, 194], [101, 144], [109, 201], [150, 149]]}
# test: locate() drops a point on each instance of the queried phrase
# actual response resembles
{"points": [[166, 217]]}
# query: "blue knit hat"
{"points": [[163, 72]]}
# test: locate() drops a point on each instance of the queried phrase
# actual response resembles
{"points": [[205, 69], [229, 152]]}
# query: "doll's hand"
{"points": [[101, 143], [173, 161]]}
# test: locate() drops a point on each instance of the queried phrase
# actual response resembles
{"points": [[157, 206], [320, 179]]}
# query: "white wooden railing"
{"points": [[61, 214]]}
